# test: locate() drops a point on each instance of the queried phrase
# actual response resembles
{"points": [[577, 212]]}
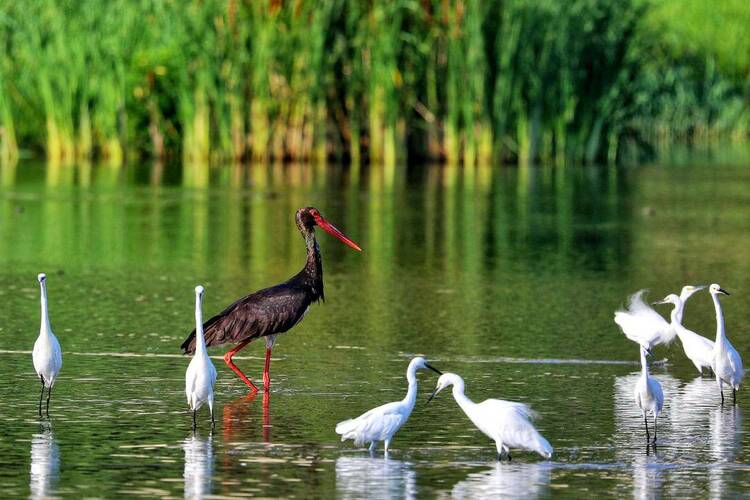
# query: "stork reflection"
{"points": [[515, 480], [238, 418], [199, 465], [45, 464], [370, 477]]}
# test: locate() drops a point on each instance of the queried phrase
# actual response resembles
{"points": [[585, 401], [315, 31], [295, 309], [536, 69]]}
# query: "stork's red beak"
{"points": [[331, 229]]}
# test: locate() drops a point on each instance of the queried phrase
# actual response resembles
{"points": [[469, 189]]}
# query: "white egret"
{"points": [[201, 373], [726, 363], [698, 349], [381, 423], [648, 394], [507, 423], [641, 324], [47, 355]]}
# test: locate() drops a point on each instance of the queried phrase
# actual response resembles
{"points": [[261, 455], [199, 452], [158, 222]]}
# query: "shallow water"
{"points": [[506, 277]]}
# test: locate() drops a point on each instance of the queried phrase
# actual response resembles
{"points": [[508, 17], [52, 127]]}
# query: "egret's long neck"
{"points": [[458, 394], [411, 394], [720, 333], [644, 363], [677, 318], [200, 341], [45, 327], [677, 312]]}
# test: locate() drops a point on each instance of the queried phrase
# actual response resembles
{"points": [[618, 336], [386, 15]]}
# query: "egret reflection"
{"points": [[370, 477], [199, 466], [45, 464], [508, 480]]}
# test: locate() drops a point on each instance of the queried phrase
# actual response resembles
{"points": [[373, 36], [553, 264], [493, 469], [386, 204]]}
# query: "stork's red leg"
{"points": [[228, 361], [266, 374]]}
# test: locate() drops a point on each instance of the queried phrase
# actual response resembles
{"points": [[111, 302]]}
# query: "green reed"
{"points": [[465, 81]]}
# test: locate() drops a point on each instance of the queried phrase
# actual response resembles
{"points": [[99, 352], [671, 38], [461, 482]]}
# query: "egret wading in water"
{"points": [[648, 394], [698, 349], [274, 310], [381, 423], [641, 324], [201, 373], [47, 355], [726, 363], [506, 422]]}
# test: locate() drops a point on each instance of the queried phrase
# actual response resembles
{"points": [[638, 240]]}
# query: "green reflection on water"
{"points": [[474, 268]]}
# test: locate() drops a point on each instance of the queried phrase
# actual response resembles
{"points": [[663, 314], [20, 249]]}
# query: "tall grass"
{"points": [[464, 81]]}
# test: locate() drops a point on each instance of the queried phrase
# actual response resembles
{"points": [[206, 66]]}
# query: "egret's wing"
{"points": [[374, 425], [501, 406], [641, 324]]}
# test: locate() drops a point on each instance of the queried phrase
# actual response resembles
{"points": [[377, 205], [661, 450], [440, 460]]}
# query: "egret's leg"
{"points": [[230, 364], [387, 444], [645, 421], [654, 428], [734, 395], [41, 395], [372, 447], [211, 409], [509, 457], [194, 424], [49, 394]]}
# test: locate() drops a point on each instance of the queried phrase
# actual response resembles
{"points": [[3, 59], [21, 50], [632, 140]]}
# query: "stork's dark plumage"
{"points": [[273, 310]]}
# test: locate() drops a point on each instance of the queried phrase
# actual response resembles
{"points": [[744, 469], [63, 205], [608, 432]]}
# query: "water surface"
{"points": [[508, 277]]}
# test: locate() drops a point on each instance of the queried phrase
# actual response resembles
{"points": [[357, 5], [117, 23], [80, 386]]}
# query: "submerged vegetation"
{"points": [[457, 80]]}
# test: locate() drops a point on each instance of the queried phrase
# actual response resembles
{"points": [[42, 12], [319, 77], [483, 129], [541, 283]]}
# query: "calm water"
{"points": [[506, 277]]}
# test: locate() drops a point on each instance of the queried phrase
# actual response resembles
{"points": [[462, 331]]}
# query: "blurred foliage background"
{"points": [[462, 81]]}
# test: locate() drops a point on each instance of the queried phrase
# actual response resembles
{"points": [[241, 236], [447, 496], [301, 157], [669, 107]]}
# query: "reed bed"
{"points": [[461, 81]]}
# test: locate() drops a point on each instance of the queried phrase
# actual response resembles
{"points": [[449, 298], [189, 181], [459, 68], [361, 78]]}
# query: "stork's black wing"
{"points": [[266, 312]]}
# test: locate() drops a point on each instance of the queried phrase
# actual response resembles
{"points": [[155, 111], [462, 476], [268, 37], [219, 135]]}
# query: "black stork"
{"points": [[274, 310]]}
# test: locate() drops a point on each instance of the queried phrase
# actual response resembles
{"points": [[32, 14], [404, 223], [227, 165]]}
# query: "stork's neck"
{"points": [[45, 327], [720, 332], [313, 270], [200, 341]]}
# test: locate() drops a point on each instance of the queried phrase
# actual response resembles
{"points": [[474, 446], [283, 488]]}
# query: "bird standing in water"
{"points": [[506, 422], [698, 349], [381, 423], [47, 355], [648, 394], [641, 324], [274, 310], [200, 376], [727, 363]]}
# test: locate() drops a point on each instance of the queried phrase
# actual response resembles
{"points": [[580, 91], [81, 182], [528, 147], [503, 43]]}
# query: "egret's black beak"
{"points": [[648, 352], [434, 393], [433, 369], [721, 290]]}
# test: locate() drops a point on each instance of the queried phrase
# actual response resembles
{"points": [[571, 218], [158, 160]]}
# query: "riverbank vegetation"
{"points": [[462, 81]]}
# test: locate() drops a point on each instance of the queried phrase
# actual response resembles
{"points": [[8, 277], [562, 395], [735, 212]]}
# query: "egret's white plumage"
{"points": [[641, 324], [201, 373], [698, 349], [726, 363], [381, 423], [47, 355], [648, 394], [506, 422]]}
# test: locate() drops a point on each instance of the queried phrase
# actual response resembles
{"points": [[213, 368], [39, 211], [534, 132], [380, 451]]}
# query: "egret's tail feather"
{"points": [[345, 427]]}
